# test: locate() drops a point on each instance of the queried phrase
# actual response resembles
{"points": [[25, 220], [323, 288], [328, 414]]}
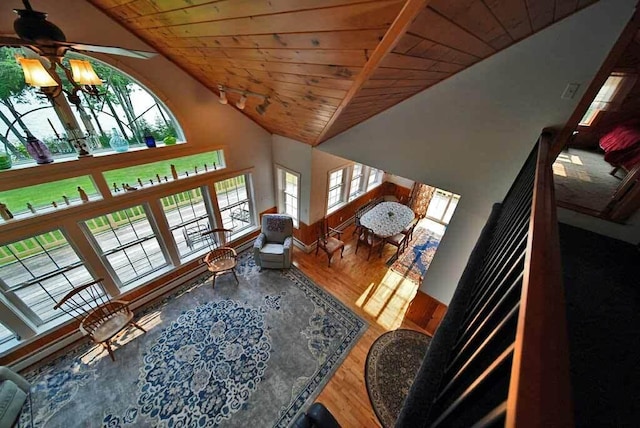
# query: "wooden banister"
{"points": [[539, 388]]}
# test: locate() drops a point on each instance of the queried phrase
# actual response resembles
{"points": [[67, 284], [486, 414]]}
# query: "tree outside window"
{"points": [[124, 105]]}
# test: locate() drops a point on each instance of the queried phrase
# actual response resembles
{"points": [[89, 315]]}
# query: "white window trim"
{"points": [[149, 276], [280, 191], [347, 178]]}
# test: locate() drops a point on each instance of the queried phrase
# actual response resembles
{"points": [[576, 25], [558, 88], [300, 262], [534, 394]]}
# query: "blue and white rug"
{"points": [[257, 353]]}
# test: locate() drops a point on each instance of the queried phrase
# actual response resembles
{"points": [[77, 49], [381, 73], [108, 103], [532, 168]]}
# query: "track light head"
{"points": [[223, 95], [262, 108], [242, 102]]}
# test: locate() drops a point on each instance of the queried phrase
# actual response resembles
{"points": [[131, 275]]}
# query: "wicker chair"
{"points": [[371, 240], [100, 318], [328, 243], [220, 261]]}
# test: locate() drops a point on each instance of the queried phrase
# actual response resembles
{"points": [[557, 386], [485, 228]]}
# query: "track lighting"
{"points": [[244, 95], [262, 108], [242, 102]]}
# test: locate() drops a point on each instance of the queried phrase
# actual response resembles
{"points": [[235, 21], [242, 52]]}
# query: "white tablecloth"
{"points": [[387, 218]]}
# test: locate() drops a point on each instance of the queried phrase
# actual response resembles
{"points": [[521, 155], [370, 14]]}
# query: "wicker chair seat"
{"points": [[109, 327]]}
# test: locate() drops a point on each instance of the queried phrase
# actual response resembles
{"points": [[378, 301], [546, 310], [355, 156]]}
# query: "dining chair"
{"points": [[371, 240], [220, 261], [327, 243], [358, 215], [100, 317], [408, 230], [399, 240]]}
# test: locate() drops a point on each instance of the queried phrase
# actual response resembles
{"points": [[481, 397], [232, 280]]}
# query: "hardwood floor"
{"points": [[378, 295]]}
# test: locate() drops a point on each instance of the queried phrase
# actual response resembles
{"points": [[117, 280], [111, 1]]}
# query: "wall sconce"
{"points": [[242, 102], [244, 95]]}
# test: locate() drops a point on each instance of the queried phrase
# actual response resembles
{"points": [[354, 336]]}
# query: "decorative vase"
{"points": [[5, 161], [149, 140], [118, 143], [38, 150]]}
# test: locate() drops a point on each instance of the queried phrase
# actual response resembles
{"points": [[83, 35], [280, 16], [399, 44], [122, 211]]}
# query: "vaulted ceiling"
{"points": [[330, 64]]}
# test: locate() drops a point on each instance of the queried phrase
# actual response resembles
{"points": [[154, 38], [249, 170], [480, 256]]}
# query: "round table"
{"points": [[387, 218]]}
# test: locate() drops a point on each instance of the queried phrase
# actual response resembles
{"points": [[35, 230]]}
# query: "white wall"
{"points": [[296, 156], [204, 121], [400, 181], [471, 133]]}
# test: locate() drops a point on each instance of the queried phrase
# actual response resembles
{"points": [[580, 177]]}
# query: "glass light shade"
{"points": [[242, 102], [223, 97], [35, 74], [83, 72]]}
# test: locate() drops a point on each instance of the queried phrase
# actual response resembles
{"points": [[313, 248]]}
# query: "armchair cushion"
{"points": [[14, 390]]}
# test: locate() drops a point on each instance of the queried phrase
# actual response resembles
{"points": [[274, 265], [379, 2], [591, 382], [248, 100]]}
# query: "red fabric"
{"points": [[622, 146]]}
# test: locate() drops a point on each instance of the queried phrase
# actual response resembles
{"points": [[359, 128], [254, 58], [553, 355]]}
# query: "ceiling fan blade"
{"points": [[112, 50], [12, 41]]}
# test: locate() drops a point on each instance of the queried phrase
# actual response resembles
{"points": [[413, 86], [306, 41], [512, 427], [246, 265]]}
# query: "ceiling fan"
{"points": [[47, 40]]}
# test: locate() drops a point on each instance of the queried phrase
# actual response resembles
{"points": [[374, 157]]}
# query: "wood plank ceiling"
{"points": [[317, 59]]}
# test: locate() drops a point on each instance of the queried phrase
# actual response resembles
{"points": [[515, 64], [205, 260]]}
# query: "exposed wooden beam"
{"points": [[398, 28]]}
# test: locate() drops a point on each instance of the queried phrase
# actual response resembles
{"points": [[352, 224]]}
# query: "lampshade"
{"points": [[83, 73], [242, 102], [35, 74]]}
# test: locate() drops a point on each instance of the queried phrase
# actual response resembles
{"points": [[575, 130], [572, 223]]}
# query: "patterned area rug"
{"points": [[237, 355], [415, 260], [392, 364]]}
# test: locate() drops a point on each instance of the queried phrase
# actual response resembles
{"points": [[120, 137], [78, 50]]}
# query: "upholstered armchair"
{"points": [[273, 247]]}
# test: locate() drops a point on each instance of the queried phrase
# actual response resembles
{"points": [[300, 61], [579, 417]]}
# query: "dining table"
{"points": [[387, 218]]}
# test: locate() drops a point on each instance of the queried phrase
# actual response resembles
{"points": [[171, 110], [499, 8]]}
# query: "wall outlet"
{"points": [[570, 91], [340, 218]]}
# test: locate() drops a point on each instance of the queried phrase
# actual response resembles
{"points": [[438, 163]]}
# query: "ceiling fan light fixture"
{"points": [[223, 95], [83, 73], [35, 74], [242, 102]]}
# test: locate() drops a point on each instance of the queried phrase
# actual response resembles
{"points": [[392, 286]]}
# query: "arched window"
{"points": [[125, 107]]}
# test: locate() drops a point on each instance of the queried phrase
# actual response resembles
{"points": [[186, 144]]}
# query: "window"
{"points": [[235, 204], [5, 334], [610, 95], [375, 178], [40, 197], [288, 193], [188, 217], [356, 182], [442, 206], [336, 185], [37, 272], [128, 107], [127, 242], [149, 173]]}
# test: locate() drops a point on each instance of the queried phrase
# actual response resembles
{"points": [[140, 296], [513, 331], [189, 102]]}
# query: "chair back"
{"points": [[367, 236], [277, 227], [90, 305], [217, 237]]}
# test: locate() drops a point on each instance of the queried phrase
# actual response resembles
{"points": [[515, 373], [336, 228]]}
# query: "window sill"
{"points": [[146, 279], [336, 207]]}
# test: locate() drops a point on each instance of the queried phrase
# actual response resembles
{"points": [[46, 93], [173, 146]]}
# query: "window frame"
{"points": [[209, 210], [615, 99], [139, 280], [450, 197], [248, 181], [342, 185], [348, 195], [9, 292], [281, 192]]}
